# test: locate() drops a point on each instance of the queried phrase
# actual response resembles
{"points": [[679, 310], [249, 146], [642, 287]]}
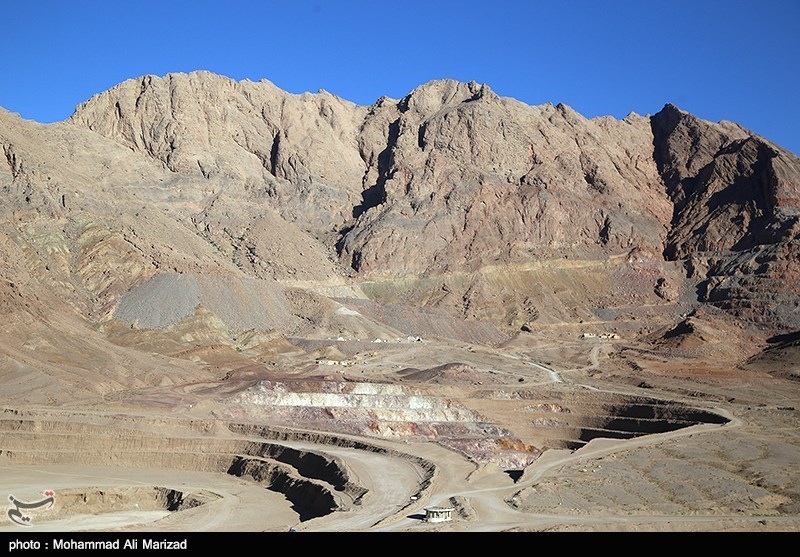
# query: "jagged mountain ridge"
{"points": [[451, 197]]}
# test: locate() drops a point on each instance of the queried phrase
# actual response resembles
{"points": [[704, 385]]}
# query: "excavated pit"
{"points": [[314, 483], [553, 418], [324, 413], [380, 410], [571, 421], [113, 507]]}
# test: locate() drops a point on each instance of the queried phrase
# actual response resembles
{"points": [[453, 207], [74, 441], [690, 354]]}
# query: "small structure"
{"points": [[343, 363], [439, 514]]}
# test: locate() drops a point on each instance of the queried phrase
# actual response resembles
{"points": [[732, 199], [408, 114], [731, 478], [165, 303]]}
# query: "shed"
{"points": [[439, 514]]}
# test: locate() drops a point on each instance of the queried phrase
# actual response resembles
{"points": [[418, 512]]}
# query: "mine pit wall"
{"points": [[558, 419], [570, 420], [382, 411], [637, 426], [309, 465], [307, 479], [309, 498], [138, 425], [429, 470], [78, 500]]}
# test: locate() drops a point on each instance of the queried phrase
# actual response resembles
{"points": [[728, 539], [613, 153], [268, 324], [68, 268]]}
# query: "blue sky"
{"points": [[734, 59]]}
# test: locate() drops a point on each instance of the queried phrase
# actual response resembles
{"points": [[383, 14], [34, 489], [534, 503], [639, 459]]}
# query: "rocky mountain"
{"points": [[452, 200]]}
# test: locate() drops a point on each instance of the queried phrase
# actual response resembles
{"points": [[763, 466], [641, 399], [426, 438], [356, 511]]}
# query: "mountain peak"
{"points": [[440, 93]]}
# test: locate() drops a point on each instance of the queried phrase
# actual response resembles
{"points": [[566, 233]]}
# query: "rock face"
{"points": [[302, 151], [452, 198], [737, 214], [469, 179]]}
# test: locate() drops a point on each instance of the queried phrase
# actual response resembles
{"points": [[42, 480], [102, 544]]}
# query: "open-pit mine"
{"points": [[225, 307]]}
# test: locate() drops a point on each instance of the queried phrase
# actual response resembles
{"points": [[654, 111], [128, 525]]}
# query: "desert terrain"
{"points": [[227, 308]]}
